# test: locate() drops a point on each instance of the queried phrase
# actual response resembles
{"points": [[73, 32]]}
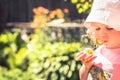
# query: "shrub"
{"points": [[38, 58]]}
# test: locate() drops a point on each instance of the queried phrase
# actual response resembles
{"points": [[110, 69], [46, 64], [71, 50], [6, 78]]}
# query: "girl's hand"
{"points": [[86, 58]]}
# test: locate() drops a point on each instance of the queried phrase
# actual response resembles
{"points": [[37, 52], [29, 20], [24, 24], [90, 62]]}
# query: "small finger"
{"points": [[89, 58], [81, 57]]}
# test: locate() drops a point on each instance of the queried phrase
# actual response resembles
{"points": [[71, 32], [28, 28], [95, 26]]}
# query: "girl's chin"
{"points": [[109, 46], [112, 47]]}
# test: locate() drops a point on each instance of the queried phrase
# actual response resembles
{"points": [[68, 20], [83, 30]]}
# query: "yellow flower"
{"points": [[89, 51]]}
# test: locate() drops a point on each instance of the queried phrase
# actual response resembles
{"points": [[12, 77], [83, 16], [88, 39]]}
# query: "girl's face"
{"points": [[110, 37]]}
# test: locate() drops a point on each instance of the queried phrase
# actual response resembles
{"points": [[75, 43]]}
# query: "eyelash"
{"points": [[98, 28], [106, 28], [109, 28]]}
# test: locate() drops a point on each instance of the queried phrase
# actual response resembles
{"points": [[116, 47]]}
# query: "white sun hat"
{"points": [[106, 12], [97, 12], [112, 11]]}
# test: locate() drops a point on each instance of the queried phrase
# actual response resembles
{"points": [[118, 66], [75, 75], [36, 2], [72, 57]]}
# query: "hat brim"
{"points": [[95, 16]]}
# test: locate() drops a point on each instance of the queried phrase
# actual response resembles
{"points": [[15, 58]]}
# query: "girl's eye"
{"points": [[98, 28], [109, 28]]}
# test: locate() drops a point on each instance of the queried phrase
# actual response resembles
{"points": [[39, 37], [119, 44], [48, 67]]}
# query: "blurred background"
{"points": [[39, 39]]}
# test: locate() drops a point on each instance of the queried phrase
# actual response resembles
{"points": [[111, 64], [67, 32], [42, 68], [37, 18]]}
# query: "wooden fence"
{"points": [[63, 31]]}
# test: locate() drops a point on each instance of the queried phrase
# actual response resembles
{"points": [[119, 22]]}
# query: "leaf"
{"points": [[74, 1]]}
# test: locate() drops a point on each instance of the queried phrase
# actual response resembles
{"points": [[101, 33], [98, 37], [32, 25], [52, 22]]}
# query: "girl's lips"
{"points": [[105, 41]]}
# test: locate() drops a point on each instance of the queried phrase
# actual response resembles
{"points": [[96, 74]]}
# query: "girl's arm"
{"points": [[87, 62], [83, 73]]}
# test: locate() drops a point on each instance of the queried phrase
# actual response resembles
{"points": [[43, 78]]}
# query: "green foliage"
{"points": [[74, 1], [83, 6], [38, 58], [12, 49], [16, 74], [53, 60]]}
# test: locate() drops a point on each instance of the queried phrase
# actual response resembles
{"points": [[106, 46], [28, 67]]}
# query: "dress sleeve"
{"points": [[97, 73]]}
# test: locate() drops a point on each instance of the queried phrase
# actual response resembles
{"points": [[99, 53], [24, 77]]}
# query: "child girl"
{"points": [[103, 23]]}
